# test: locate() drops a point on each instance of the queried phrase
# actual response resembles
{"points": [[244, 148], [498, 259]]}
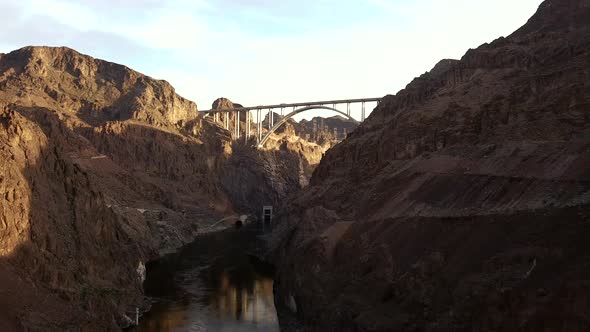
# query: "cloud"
{"points": [[262, 51], [22, 28], [394, 8]]}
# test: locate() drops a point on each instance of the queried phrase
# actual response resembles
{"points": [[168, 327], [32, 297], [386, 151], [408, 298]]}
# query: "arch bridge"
{"points": [[222, 115]]}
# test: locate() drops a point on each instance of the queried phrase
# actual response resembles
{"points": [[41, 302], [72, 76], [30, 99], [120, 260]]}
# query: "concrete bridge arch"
{"points": [[286, 118]]}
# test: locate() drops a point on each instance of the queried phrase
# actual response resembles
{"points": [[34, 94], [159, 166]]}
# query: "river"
{"points": [[210, 285]]}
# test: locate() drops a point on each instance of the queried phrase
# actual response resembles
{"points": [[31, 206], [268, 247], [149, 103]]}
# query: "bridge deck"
{"points": [[326, 102]]}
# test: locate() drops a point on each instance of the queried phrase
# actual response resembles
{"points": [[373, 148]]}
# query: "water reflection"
{"points": [[211, 285], [245, 304]]}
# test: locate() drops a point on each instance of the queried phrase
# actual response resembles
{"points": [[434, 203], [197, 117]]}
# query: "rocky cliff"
{"points": [[462, 202], [290, 156], [256, 177], [323, 131], [291, 139], [102, 169], [308, 140]]}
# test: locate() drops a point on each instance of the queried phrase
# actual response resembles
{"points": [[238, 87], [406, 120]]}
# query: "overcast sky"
{"points": [[267, 51]]}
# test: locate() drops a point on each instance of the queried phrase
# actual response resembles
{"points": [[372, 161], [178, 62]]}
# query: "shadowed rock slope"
{"points": [[462, 202]]}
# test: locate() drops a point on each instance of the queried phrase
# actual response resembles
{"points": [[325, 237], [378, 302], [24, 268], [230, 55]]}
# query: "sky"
{"points": [[258, 52]]}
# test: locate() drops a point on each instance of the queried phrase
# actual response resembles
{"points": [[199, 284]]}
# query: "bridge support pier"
{"points": [[270, 116], [273, 125], [363, 112], [238, 125], [247, 126], [259, 125]]}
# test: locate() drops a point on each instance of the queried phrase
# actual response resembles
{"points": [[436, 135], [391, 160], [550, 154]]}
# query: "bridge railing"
{"points": [[217, 114], [305, 104]]}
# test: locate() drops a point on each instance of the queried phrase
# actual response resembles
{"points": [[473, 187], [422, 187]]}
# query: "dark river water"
{"points": [[211, 285]]}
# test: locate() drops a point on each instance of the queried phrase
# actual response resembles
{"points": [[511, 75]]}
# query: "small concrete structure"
{"points": [[267, 217]]}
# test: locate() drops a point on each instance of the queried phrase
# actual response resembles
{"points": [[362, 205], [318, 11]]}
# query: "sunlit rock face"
{"points": [[22, 146], [451, 207], [307, 140]]}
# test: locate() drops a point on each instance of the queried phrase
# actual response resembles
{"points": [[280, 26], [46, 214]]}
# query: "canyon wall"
{"points": [[103, 169], [308, 140], [462, 202]]}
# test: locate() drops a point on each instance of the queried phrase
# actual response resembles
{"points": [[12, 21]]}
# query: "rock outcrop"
{"points": [[309, 140], [289, 139], [324, 131], [462, 202]]}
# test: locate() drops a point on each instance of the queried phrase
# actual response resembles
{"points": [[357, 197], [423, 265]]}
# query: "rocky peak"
{"points": [[224, 103], [275, 116], [557, 33], [94, 90], [558, 15]]}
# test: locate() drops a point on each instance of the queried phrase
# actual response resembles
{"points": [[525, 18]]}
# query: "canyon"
{"points": [[461, 203], [105, 169]]}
